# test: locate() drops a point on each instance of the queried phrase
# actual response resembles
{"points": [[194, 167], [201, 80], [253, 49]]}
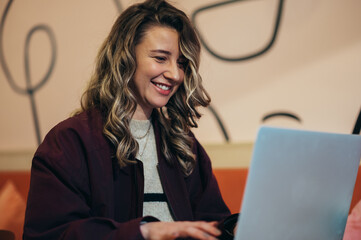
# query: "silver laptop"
{"points": [[299, 185]]}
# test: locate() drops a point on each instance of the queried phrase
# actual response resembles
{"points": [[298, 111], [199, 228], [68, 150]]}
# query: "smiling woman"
{"points": [[126, 165]]}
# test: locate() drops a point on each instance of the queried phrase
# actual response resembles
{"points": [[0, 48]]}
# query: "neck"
{"points": [[140, 114]]}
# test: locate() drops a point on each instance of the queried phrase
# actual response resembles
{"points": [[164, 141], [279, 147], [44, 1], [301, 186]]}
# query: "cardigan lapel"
{"points": [[172, 180]]}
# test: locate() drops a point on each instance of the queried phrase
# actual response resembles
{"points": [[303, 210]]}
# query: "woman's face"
{"points": [[159, 70]]}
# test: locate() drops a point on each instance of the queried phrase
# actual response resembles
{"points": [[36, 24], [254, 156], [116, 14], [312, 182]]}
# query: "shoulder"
{"points": [[85, 126], [71, 144], [76, 135], [85, 122]]}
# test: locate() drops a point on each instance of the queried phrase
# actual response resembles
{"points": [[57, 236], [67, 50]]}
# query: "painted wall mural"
{"points": [[277, 57], [255, 54], [30, 89]]}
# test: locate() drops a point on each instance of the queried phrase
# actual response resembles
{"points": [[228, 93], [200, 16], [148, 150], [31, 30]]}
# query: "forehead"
{"points": [[160, 38]]}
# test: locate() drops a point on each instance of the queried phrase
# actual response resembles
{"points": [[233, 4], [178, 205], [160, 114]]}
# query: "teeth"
{"points": [[162, 86]]}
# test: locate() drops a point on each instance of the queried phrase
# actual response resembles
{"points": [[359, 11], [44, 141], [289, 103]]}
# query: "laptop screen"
{"points": [[300, 185]]}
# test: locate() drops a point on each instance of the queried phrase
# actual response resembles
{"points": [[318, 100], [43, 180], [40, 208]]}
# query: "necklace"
{"points": [[145, 145], [146, 136], [146, 133]]}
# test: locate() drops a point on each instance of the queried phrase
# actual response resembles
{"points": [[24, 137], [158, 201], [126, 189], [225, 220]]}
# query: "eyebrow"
{"points": [[161, 51]]}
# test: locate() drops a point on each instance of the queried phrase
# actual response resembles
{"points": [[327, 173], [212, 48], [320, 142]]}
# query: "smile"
{"points": [[164, 89], [162, 86]]}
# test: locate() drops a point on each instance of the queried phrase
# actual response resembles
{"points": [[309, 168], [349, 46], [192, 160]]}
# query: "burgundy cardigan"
{"points": [[78, 190]]}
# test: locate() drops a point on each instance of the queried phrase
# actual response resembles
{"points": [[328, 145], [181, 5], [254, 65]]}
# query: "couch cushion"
{"points": [[12, 209]]}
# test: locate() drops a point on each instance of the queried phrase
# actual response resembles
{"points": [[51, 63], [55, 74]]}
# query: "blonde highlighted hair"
{"points": [[109, 88]]}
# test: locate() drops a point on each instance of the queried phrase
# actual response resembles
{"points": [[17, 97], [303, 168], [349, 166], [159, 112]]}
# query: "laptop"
{"points": [[299, 185]]}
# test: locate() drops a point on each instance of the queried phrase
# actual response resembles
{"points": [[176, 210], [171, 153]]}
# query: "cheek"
{"points": [[137, 83], [146, 70], [153, 69]]}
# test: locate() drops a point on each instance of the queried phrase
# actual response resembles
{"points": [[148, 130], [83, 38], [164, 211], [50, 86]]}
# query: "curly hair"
{"points": [[110, 91]]}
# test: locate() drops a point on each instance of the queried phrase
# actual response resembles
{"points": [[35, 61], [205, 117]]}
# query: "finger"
{"points": [[209, 227], [197, 233], [200, 230], [214, 223]]}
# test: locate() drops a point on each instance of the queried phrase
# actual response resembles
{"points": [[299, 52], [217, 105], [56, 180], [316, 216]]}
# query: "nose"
{"points": [[173, 72]]}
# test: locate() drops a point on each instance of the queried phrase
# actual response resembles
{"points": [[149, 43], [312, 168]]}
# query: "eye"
{"points": [[160, 58]]}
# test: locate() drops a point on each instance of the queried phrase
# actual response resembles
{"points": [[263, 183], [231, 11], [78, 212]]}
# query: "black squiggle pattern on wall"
{"points": [[220, 123], [237, 59], [118, 5], [30, 89], [240, 58], [281, 114]]}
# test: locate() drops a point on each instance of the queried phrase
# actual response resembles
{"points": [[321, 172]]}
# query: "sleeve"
{"points": [[208, 203], [59, 198]]}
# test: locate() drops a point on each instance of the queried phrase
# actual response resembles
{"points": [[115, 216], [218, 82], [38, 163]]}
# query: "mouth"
{"points": [[162, 86], [164, 89]]}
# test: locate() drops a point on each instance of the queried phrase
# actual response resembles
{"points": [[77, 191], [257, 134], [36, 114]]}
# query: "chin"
{"points": [[159, 104]]}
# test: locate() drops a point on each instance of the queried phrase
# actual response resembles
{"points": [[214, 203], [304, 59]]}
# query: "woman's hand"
{"points": [[173, 230]]}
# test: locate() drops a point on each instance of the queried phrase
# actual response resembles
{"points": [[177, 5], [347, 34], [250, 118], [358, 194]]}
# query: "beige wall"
{"points": [[313, 70]]}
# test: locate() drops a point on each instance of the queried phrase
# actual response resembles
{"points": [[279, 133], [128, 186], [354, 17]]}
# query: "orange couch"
{"points": [[231, 182], [14, 188]]}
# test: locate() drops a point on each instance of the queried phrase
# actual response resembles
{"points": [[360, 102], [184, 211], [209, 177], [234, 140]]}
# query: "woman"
{"points": [[126, 166]]}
